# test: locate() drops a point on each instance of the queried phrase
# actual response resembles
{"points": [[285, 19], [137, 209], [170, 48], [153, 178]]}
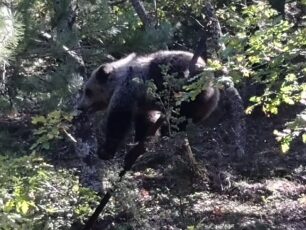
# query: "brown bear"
{"points": [[120, 88]]}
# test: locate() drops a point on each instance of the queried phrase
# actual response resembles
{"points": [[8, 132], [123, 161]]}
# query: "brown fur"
{"points": [[119, 88]]}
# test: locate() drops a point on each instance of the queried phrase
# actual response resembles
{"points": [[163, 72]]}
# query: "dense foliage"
{"points": [[36, 196], [49, 47], [269, 50]]}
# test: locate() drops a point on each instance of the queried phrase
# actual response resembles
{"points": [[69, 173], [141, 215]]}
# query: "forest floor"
{"points": [[265, 189]]}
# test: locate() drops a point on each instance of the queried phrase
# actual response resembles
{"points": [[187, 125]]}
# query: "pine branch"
{"points": [[69, 52], [10, 32], [65, 19]]}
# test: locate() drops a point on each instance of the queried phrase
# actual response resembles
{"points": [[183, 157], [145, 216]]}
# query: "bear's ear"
{"points": [[102, 73]]}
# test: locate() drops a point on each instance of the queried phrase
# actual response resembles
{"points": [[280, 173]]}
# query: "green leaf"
{"points": [[23, 207], [75, 188], [51, 210], [191, 227], [249, 109], [46, 145], [285, 146], [40, 131], [255, 99], [291, 77], [38, 119], [9, 206], [34, 145], [55, 131], [55, 115], [42, 139], [288, 100], [254, 59], [304, 138]]}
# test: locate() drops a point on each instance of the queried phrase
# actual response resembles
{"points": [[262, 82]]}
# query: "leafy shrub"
{"points": [[50, 128], [263, 47], [33, 195]]}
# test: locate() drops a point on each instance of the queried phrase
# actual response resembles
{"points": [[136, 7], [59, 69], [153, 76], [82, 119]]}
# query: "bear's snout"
{"points": [[84, 105]]}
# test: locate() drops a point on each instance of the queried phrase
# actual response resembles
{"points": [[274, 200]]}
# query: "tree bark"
{"points": [[142, 13]]}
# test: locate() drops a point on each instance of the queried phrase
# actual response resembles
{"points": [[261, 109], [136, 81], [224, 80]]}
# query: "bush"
{"points": [[34, 195], [50, 129], [268, 50]]}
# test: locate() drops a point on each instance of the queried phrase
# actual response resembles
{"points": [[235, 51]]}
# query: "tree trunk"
{"points": [[142, 13], [66, 34]]}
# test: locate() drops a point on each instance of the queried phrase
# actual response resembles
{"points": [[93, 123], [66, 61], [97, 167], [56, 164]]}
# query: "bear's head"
{"points": [[98, 89]]}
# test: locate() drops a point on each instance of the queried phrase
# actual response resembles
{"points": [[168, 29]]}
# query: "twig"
{"points": [[69, 135]]}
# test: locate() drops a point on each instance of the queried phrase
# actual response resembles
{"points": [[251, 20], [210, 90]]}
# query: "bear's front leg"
{"points": [[118, 124]]}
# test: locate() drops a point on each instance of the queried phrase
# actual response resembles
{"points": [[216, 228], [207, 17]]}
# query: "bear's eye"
{"points": [[88, 92]]}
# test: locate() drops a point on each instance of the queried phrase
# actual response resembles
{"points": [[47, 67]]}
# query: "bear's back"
{"points": [[150, 66], [175, 63]]}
